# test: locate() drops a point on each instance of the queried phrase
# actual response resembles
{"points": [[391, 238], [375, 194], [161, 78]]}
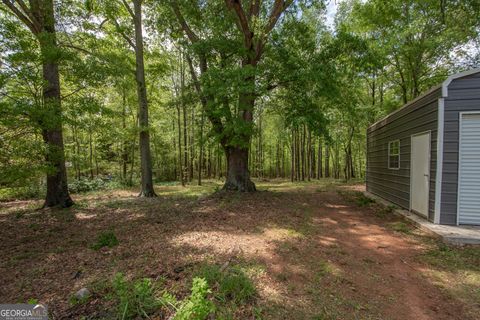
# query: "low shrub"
{"points": [[86, 185]]}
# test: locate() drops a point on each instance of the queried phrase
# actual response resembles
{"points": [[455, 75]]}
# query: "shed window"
{"points": [[394, 154]]}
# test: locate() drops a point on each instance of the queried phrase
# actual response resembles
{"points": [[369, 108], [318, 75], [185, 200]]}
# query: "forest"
{"points": [[139, 93], [100, 97]]}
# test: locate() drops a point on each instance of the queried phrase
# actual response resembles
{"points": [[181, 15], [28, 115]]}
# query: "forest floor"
{"points": [[315, 250]]}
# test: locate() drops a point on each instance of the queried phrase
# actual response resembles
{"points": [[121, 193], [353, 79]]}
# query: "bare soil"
{"points": [[319, 254]]}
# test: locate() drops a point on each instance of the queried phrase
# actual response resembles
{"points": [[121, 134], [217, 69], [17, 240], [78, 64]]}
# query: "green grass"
{"points": [[453, 258], [232, 285], [457, 270], [105, 239], [362, 200], [134, 298], [401, 226], [145, 298]]}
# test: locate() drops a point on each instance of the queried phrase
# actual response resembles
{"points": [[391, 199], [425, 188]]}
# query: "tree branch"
{"points": [[29, 13], [242, 21], [214, 119], [186, 28], [278, 8], [21, 16], [129, 9], [254, 9], [127, 38]]}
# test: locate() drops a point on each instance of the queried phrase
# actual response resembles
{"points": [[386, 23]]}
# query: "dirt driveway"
{"points": [[319, 251]]}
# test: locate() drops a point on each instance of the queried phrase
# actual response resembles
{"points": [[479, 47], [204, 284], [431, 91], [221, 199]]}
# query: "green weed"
{"points": [[196, 306], [363, 201], [105, 239], [134, 298], [232, 285], [400, 226]]}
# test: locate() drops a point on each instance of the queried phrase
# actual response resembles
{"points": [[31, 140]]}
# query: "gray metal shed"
{"points": [[425, 156]]}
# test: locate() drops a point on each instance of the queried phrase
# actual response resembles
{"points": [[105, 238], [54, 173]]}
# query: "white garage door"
{"points": [[469, 170]]}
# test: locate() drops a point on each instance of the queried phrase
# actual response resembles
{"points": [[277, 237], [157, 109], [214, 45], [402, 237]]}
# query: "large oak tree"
{"points": [[248, 25]]}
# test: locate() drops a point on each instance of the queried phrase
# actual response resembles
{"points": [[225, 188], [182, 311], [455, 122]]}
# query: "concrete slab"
{"points": [[456, 235]]}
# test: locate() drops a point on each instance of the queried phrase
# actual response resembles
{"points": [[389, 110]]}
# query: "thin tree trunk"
{"points": [[327, 161], [91, 153], [185, 141], [302, 143], [200, 159], [192, 145], [309, 155], [145, 155], [319, 159], [292, 156], [124, 142], [76, 149], [179, 124], [174, 151]]}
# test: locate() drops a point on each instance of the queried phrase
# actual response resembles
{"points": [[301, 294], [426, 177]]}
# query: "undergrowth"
{"points": [[105, 239], [216, 293]]}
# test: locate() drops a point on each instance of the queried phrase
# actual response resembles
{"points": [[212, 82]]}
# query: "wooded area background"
{"points": [[141, 92]]}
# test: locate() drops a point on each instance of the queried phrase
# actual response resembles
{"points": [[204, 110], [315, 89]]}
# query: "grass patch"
{"points": [[457, 270], [231, 285], [384, 211], [233, 290], [363, 201], [105, 239], [400, 226], [134, 298], [144, 298], [452, 258]]}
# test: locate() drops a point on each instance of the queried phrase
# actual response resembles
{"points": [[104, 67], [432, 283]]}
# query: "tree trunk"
{"points": [[124, 142], [174, 151], [191, 144], [52, 132], [309, 155], [200, 159], [90, 142], [292, 157], [179, 124], [145, 156], [76, 149], [238, 176], [319, 159], [327, 161]]}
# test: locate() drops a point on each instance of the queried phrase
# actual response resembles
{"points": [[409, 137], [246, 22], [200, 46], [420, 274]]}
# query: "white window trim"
{"points": [[388, 158]]}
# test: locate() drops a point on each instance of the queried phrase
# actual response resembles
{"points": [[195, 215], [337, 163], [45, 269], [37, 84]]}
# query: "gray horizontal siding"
{"points": [[463, 95], [394, 185]]}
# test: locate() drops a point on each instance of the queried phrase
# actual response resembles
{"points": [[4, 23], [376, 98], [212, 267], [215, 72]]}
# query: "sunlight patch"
{"points": [[83, 216], [281, 233]]}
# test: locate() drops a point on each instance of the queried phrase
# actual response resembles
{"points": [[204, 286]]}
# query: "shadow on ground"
{"points": [[319, 253]]}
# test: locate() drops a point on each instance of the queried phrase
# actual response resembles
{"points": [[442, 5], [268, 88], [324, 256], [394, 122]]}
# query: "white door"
{"points": [[469, 170], [420, 173]]}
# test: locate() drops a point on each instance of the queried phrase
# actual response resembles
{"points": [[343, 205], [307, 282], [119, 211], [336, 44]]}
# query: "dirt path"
{"points": [[317, 254]]}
